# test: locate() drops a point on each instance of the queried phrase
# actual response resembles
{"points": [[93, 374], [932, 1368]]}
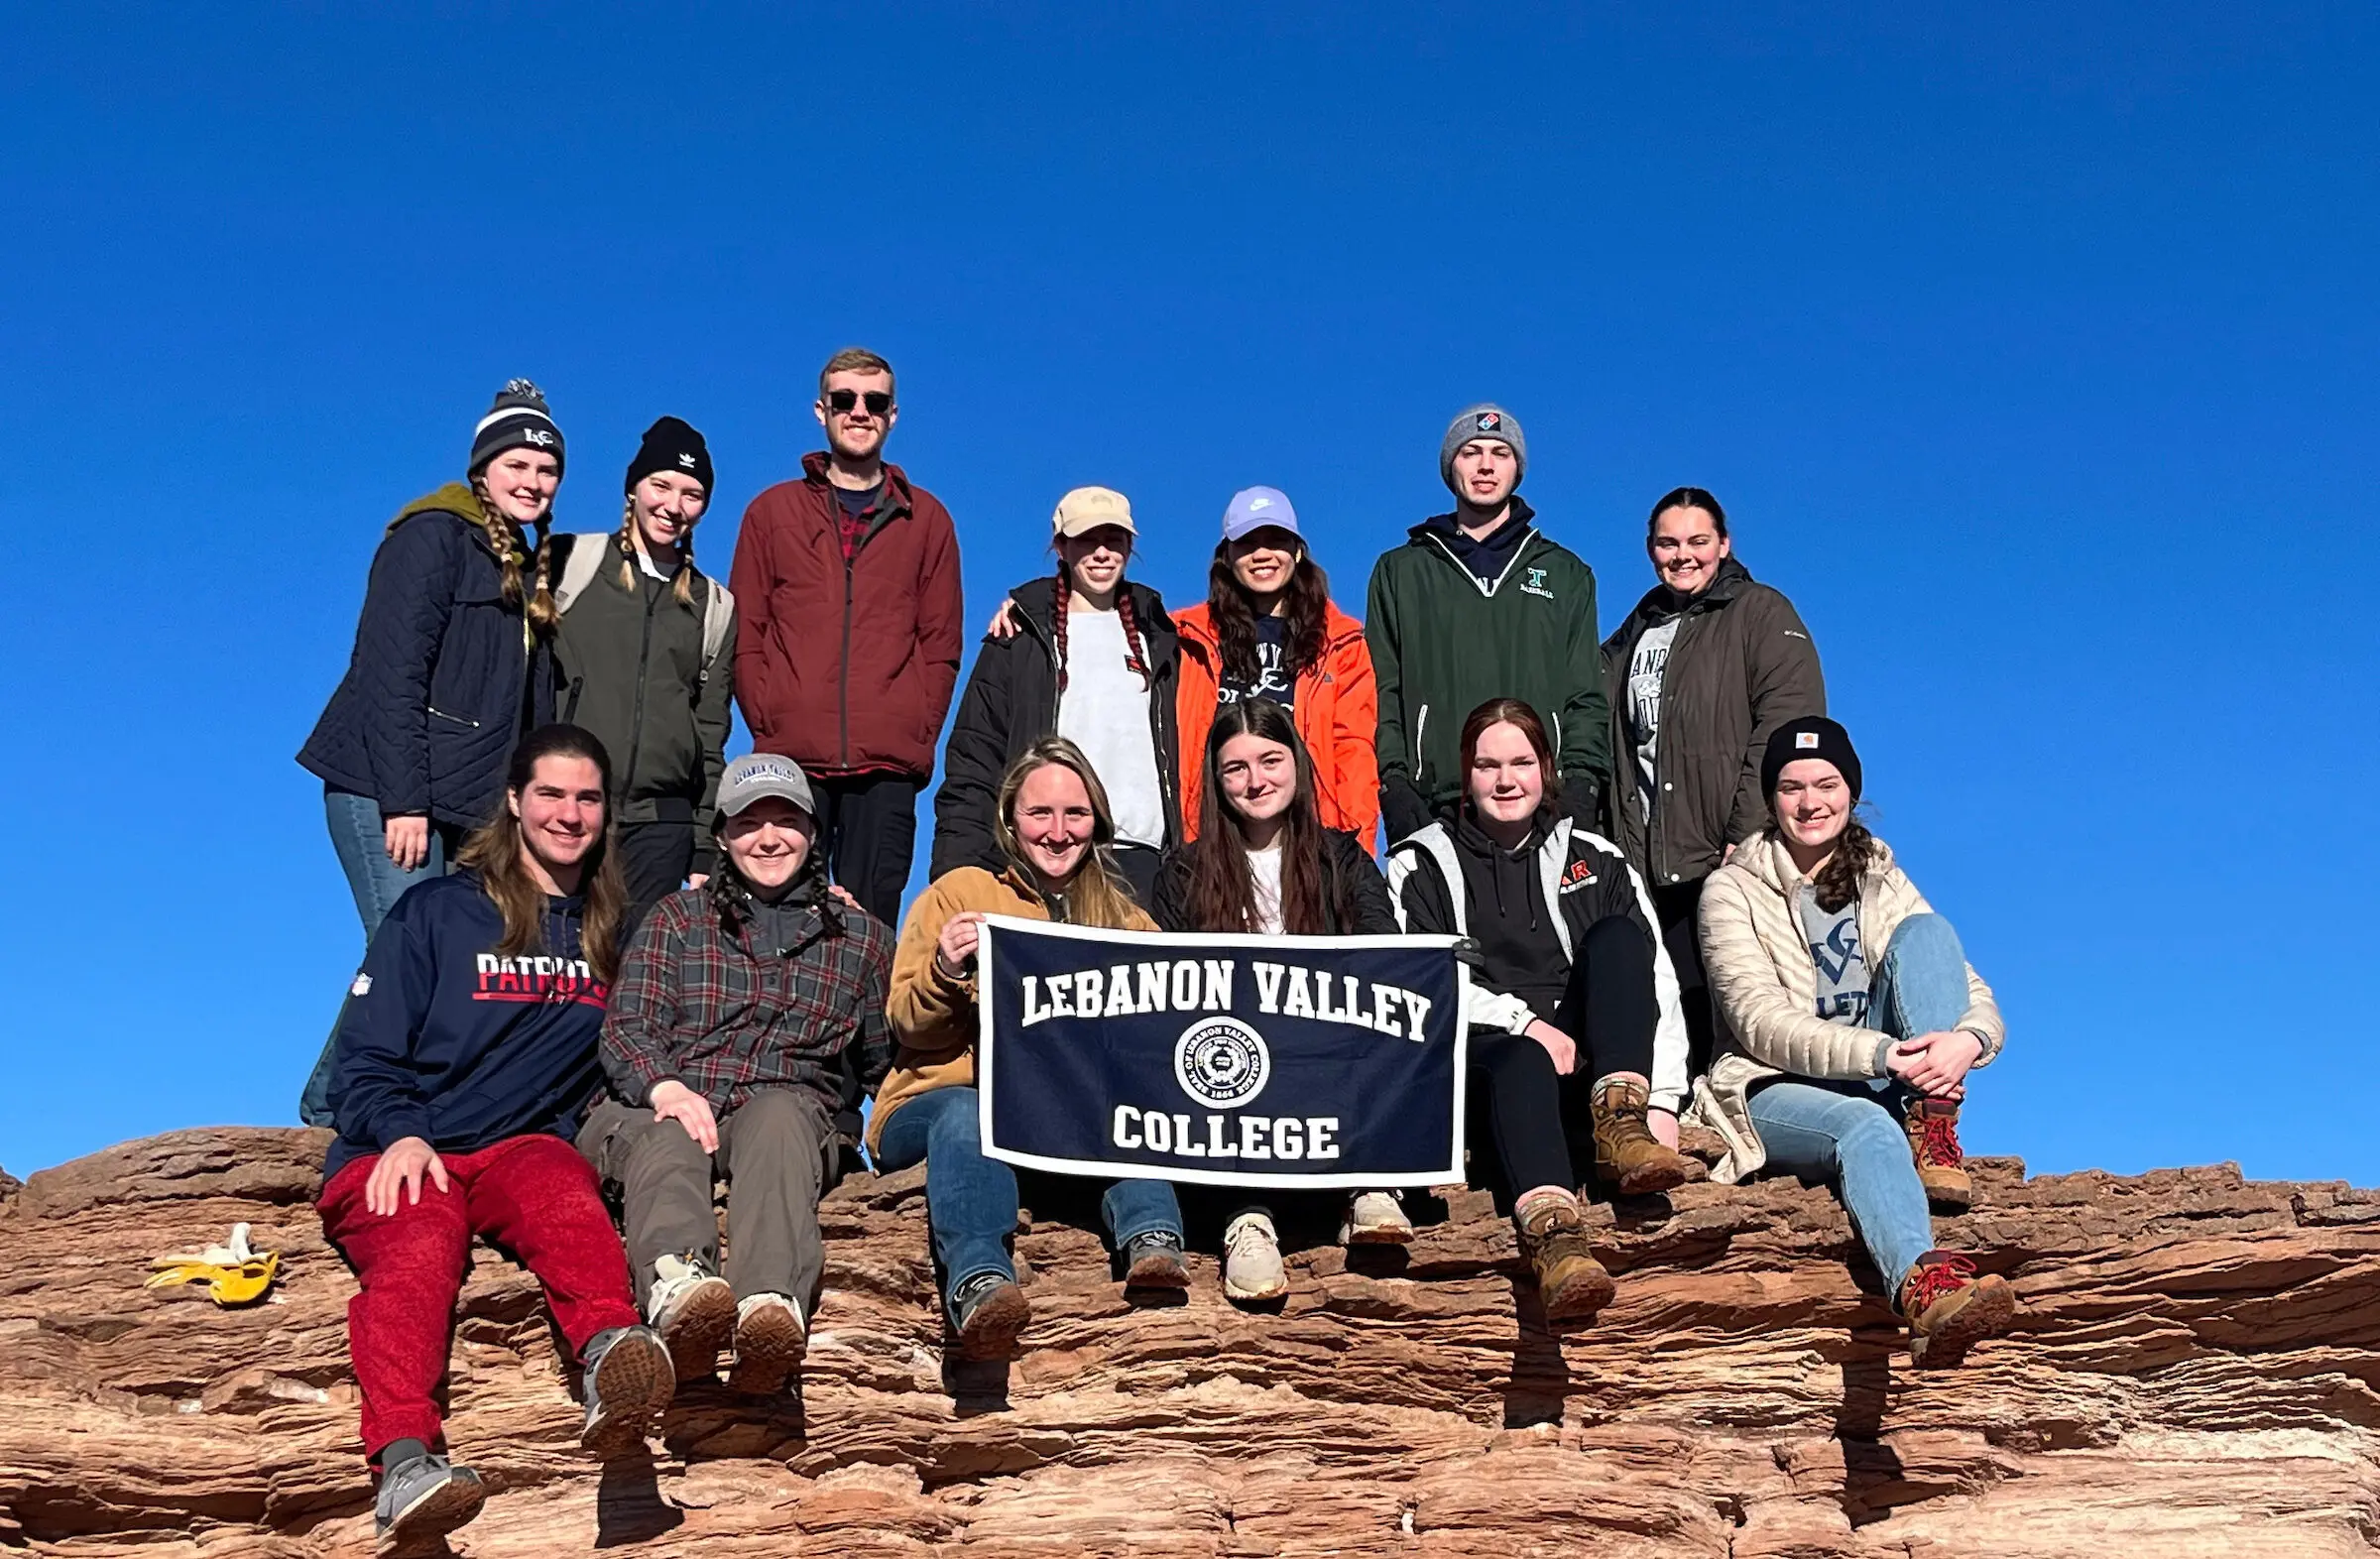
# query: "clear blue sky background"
{"points": [[2032, 352]]}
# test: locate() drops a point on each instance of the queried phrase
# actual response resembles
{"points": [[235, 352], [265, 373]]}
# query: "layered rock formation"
{"points": [[2192, 1373]]}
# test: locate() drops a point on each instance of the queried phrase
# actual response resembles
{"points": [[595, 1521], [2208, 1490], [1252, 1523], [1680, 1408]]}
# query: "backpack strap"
{"points": [[579, 566], [718, 615]]}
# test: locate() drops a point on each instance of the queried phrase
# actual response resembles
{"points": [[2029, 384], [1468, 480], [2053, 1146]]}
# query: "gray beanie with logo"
{"points": [[1484, 421]]}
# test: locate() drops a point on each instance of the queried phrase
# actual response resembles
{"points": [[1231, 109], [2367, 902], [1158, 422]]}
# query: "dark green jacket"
{"points": [[1742, 665], [632, 672], [1442, 644]]}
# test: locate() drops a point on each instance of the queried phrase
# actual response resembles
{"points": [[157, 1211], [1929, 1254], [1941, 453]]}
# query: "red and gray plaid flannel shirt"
{"points": [[699, 1004]]}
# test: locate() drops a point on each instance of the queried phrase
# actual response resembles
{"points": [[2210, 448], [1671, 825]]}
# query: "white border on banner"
{"points": [[1100, 1168]]}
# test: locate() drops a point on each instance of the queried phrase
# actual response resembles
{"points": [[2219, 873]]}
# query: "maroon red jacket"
{"points": [[847, 667]]}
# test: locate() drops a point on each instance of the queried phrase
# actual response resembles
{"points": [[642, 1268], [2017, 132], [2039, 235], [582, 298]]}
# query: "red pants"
{"points": [[532, 1195]]}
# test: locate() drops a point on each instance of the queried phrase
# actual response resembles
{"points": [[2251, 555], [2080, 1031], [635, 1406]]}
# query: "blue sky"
{"points": [[2032, 355]]}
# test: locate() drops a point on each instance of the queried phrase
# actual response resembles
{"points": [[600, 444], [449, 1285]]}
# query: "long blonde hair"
{"points": [[1096, 895]]}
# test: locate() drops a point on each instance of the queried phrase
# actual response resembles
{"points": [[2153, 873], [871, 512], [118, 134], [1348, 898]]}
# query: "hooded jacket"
{"points": [[847, 667], [1336, 710], [933, 1015], [631, 662], [443, 1041], [444, 678], [1012, 702], [1764, 987], [1741, 665], [1528, 909], [1443, 643]]}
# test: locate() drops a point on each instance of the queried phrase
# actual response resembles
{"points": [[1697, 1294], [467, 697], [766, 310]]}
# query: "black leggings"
{"points": [[1519, 1103]]}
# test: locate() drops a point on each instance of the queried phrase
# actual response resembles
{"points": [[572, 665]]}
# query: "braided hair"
{"points": [[513, 551], [1134, 658], [626, 540]]}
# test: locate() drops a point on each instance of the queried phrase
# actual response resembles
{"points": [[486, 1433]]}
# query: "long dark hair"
{"points": [[1517, 714], [1686, 498], [494, 850], [1221, 893], [1234, 614]]}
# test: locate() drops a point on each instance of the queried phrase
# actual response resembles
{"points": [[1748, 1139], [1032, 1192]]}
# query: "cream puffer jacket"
{"points": [[1764, 989]]}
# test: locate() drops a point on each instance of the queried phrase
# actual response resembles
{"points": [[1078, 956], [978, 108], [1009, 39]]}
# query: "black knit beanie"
{"points": [[1812, 736], [518, 420], [671, 445]]}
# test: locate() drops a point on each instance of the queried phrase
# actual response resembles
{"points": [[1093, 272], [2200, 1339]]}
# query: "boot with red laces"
{"points": [[1948, 1307], [1933, 1128]]}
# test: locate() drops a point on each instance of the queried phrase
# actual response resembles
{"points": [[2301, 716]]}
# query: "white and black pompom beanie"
{"points": [[518, 420]]}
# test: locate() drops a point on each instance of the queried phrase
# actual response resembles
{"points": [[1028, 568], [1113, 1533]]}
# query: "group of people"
{"points": [[604, 965]]}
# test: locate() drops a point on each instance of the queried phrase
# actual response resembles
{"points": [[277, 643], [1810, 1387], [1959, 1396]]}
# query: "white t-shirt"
{"points": [[1265, 882], [1105, 712]]}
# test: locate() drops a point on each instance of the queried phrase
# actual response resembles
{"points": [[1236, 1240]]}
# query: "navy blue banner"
{"points": [[1228, 1060]]}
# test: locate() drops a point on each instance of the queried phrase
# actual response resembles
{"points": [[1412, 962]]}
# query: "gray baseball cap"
{"points": [[756, 775]]}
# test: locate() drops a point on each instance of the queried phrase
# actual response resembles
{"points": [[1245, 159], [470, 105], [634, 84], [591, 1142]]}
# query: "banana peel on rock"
{"points": [[234, 1273]]}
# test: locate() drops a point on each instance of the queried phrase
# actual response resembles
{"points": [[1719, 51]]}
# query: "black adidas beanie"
{"points": [[518, 420], [672, 445], [1812, 736]]}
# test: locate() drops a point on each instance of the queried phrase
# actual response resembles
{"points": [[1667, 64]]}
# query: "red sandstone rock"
{"points": [[2194, 1374]]}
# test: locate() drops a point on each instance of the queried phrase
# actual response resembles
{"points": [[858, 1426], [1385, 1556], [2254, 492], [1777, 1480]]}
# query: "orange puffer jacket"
{"points": [[1338, 713]]}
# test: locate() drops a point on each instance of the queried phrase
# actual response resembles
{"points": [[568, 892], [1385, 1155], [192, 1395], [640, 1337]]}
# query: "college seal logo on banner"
{"points": [[1313, 1061]]}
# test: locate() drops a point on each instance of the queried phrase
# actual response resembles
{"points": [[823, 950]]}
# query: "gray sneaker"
{"points": [[693, 1310], [421, 1502], [629, 1381], [769, 1340], [1252, 1259]]}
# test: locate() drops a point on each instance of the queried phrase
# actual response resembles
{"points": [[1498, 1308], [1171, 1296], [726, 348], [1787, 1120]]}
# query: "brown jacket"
{"points": [[1742, 665], [847, 667], [934, 1017]]}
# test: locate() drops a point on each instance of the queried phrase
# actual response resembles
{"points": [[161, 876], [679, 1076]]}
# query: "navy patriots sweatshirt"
{"points": [[444, 1041]]}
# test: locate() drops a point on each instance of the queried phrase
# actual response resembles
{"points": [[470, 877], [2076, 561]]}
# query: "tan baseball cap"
{"points": [[1087, 508]]}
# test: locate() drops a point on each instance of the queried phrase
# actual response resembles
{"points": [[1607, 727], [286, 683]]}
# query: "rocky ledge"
{"points": [[2192, 1373]]}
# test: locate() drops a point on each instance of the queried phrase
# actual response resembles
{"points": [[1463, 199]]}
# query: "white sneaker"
{"points": [[770, 1340], [1252, 1259], [693, 1310], [1375, 1218]]}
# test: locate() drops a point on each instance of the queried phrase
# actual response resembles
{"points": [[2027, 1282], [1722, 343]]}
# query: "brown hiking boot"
{"points": [[1628, 1156], [1948, 1307], [1933, 1128], [1571, 1282]]}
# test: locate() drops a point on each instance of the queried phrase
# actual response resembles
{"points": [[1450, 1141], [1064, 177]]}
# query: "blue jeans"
{"points": [[1851, 1132], [356, 833], [971, 1200]]}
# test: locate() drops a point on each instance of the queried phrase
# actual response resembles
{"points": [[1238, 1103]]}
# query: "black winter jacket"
{"points": [[631, 671], [1741, 665], [442, 680], [1344, 858], [1012, 702], [1529, 909]]}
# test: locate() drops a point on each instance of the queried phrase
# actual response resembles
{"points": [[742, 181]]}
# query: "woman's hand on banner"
{"points": [[954, 949], [674, 1100], [1561, 1046]]}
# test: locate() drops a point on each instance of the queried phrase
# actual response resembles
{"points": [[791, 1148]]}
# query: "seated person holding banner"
{"points": [[1262, 863], [749, 1010], [1573, 995], [1053, 827]]}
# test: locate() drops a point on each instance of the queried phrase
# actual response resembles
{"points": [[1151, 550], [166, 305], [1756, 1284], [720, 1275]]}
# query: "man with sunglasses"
{"points": [[848, 643]]}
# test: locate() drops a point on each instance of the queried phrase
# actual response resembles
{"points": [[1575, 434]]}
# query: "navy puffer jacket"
{"points": [[442, 682]]}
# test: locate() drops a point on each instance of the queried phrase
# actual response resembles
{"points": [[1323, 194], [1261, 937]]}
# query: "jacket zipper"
{"points": [[458, 719], [843, 700], [1421, 728], [636, 726]]}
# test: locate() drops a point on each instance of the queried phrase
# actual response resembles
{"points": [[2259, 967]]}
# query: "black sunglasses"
{"points": [[878, 401]]}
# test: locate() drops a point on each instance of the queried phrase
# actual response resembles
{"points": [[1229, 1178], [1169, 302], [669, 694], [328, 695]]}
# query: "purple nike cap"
{"points": [[1253, 508]]}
